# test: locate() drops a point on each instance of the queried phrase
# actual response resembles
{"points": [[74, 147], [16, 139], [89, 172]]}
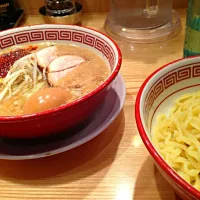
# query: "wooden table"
{"points": [[113, 166]]}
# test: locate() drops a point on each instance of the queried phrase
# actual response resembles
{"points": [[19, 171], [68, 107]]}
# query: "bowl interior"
{"points": [[165, 86], [65, 34]]}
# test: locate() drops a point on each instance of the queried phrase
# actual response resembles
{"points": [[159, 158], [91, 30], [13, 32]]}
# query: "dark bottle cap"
{"points": [[60, 7]]}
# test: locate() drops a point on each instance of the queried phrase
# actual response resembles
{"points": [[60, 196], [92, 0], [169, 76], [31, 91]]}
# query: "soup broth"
{"points": [[72, 71]]}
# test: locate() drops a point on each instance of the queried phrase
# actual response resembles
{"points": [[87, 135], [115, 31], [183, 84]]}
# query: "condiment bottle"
{"points": [[60, 7], [192, 35], [7, 11]]}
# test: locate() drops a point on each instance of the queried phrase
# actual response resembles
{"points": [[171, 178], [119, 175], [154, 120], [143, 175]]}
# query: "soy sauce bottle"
{"points": [[7, 12]]}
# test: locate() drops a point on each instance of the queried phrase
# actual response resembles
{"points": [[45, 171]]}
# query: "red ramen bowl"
{"points": [[157, 95], [66, 116]]}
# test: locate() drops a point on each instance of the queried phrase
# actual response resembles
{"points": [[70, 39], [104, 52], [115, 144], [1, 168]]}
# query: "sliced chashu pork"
{"points": [[46, 55], [60, 67]]}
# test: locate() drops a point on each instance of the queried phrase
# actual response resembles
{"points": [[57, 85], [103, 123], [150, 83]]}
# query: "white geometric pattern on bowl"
{"points": [[172, 79], [35, 34]]}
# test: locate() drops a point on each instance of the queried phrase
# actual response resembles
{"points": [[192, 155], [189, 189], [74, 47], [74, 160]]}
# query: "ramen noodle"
{"points": [[177, 138]]}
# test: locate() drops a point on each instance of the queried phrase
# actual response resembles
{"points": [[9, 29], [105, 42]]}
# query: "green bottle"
{"points": [[192, 35]]}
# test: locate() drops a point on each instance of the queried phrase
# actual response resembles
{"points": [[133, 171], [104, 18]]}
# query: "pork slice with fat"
{"points": [[62, 65], [46, 55]]}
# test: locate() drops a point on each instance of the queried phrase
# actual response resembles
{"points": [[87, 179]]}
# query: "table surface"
{"points": [[113, 166]]}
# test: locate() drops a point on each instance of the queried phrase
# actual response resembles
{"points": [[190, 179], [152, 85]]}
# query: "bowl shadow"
{"points": [[154, 183], [70, 166]]}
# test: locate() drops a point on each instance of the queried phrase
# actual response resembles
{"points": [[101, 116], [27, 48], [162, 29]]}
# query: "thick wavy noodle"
{"points": [[177, 138]]}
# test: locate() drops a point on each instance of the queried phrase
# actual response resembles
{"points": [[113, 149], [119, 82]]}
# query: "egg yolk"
{"points": [[46, 99]]}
